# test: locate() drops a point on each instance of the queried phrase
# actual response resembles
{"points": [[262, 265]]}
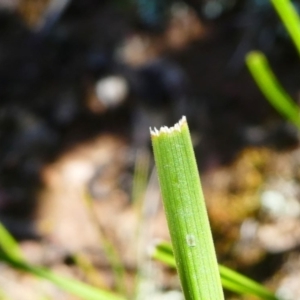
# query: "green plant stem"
{"points": [[290, 19], [140, 178], [271, 88], [110, 251], [80, 289], [9, 244], [186, 213], [12, 255], [91, 274], [231, 280]]}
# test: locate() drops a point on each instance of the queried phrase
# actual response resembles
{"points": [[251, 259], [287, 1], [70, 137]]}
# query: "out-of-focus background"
{"points": [[81, 81]]}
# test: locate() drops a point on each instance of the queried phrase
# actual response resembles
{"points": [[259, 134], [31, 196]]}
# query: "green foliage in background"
{"points": [[271, 88], [262, 74], [12, 255], [231, 280]]}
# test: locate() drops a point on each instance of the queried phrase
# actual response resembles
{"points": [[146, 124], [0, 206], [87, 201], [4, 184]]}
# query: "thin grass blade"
{"points": [[9, 244], [290, 19], [231, 280], [12, 255], [271, 88]]}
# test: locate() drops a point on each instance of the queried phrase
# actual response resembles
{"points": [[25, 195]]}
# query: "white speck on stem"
{"points": [[191, 240]]}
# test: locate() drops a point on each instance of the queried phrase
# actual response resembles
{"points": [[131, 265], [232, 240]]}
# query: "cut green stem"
{"points": [[186, 213]]}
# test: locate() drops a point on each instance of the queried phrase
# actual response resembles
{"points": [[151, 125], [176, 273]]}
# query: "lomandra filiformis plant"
{"points": [[186, 212]]}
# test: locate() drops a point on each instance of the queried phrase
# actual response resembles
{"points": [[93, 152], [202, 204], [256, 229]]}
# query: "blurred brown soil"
{"points": [[75, 224], [70, 226]]}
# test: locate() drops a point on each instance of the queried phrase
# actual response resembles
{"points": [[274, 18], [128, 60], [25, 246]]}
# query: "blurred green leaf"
{"points": [[9, 244], [271, 88], [231, 280], [12, 255], [290, 19]]}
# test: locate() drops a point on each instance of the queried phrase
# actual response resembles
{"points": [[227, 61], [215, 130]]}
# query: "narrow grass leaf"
{"points": [[9, 244], [12, 255], [231, 280], [91, 274], [80, 289], [290, 19], [140, 177], [271, 88], [186, 213], [110, 251]]}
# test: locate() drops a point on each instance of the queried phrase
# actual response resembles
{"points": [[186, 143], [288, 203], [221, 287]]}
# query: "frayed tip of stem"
{"points": [[168, 130]]}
